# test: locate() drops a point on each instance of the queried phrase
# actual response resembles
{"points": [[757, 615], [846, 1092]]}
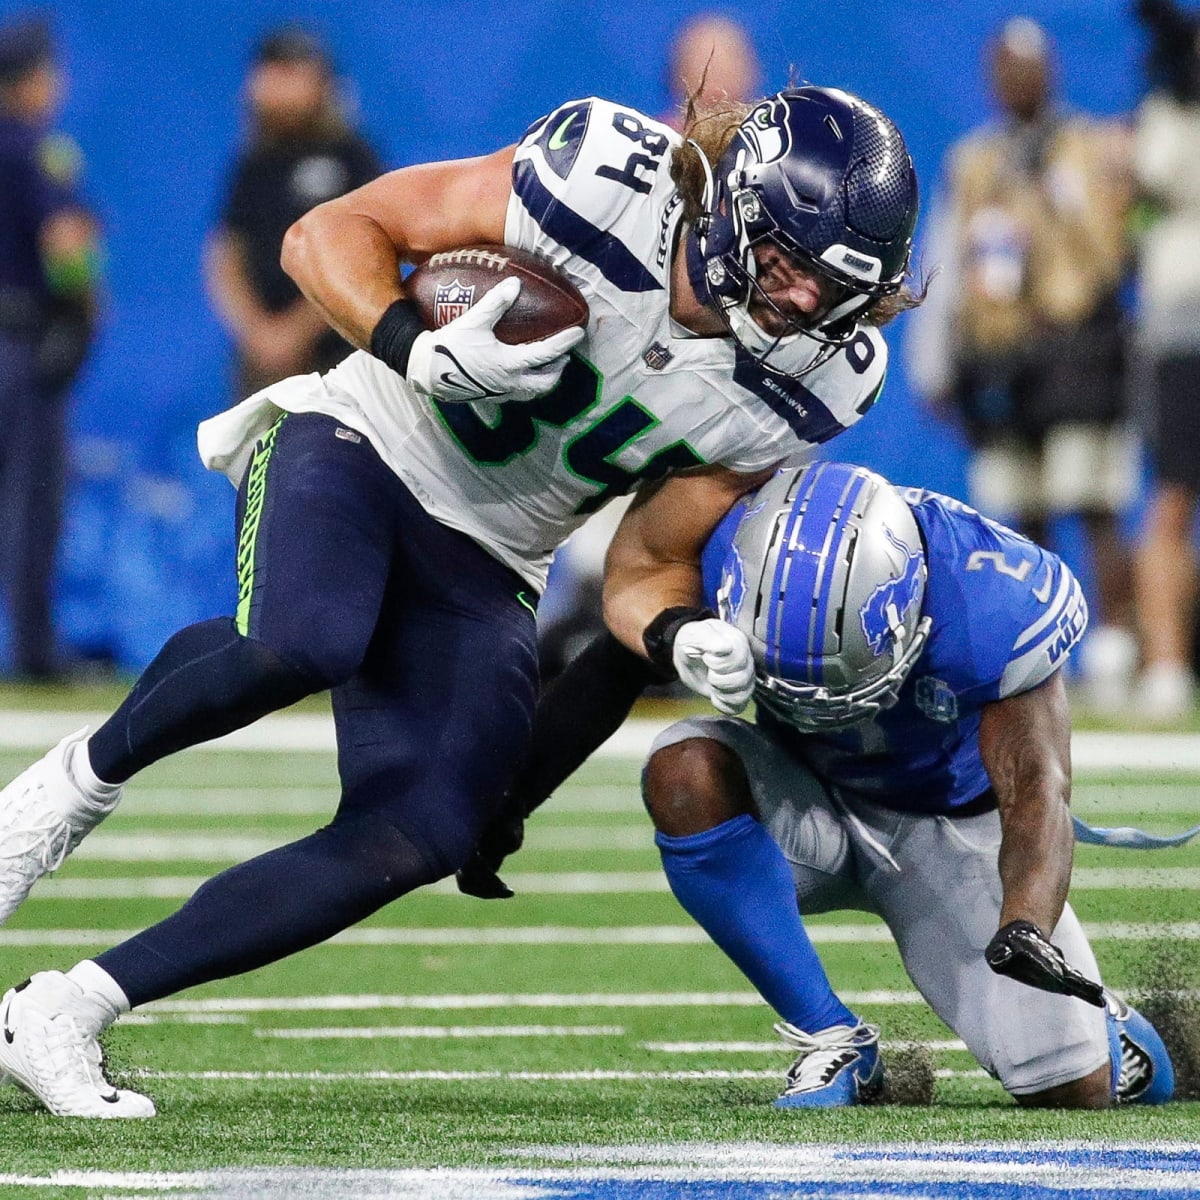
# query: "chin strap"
{"points": [[703, 221]]}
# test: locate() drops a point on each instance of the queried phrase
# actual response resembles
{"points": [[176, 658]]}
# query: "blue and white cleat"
{"points": [[1144, 1074], [837, 1067]]}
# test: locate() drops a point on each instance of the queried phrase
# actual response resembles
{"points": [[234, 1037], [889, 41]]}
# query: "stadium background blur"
{"points": [[154, 102]]}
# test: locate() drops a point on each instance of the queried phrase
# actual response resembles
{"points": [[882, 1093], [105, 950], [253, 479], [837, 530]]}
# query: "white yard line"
{"points": [[1168, 753], [502, 1000], [912, 1169], [572, 935], [543, 883], [777, 1046], [112, 845], [591, 1076], [439, 1032]]}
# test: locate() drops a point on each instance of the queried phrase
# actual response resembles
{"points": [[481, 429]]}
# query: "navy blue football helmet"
{"points": [[827, 178]]}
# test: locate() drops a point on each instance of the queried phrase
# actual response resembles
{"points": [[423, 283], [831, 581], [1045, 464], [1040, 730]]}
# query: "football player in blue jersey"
{"points": [[910, 757], [397, 514]]}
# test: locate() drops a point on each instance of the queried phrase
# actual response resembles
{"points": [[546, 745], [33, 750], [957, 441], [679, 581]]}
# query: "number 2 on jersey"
{"points": [[1020, 572]]}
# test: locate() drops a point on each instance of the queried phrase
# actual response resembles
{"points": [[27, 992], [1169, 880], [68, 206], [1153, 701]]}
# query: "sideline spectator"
{"points": [[1167, 169], [48, 278], [301, 152], [714, 50], [1024, 341]]}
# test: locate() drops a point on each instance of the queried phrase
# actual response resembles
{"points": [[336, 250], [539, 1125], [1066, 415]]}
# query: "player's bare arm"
{"points": [[654, 560], [1025, 744], [343, 254]]}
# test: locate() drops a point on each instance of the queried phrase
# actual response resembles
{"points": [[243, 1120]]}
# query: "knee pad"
{"points": [[328, 656], [384, 861]]}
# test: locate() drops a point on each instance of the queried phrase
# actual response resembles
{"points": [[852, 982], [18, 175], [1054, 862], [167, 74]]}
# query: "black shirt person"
{"points": [[301, 152]]}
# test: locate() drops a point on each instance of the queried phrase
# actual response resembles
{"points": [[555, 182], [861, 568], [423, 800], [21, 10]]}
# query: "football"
{"points": [[447, 284]]}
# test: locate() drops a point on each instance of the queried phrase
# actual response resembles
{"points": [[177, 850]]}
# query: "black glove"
{"points": [[501, 838], [1020, 951]]}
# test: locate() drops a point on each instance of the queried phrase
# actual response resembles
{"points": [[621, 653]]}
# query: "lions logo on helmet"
{"points": [[733, 587], [832, 590], [880, 616]]}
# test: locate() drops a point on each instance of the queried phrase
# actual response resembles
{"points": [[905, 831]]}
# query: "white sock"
{"points": [[103, 1000], [80, 766]]}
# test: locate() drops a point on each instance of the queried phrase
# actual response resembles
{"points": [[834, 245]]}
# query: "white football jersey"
{"points": [[640, 397]]}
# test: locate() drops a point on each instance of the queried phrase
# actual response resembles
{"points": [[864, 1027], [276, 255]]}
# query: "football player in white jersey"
{"points": [[396, 515]]}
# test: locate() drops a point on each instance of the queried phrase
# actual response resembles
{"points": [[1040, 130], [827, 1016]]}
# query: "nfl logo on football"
{"points": [[450, 301]]}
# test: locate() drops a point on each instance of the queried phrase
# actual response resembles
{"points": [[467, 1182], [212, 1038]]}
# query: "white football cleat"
{"points": [[47, 1047], [44, 814]]}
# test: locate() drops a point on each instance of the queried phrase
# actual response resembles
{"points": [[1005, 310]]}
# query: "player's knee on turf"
{"points": [[1092, 1091], [695, 785]]}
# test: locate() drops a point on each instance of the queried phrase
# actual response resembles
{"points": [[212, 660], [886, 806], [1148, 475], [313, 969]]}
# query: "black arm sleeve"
{"points": [[580, 709]]}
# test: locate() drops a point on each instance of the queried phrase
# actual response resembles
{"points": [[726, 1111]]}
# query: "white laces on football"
{"points": [[822, 1054]]}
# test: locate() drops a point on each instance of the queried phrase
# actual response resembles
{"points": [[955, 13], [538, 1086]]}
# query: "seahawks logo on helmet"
{"points": [[883, 613], [768, 133]]}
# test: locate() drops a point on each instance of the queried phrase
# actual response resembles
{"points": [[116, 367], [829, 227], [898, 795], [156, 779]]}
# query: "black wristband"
{"points": [[659, 636], [393, 337]]}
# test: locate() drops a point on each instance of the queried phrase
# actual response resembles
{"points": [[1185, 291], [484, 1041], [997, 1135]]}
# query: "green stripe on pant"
{"points": [[256, 491]]}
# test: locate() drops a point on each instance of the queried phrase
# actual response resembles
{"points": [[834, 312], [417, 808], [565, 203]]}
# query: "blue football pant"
{"points": [[428, 644]]}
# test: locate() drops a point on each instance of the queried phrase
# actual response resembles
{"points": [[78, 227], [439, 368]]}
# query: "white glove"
{"points": [[714, 659], [465, 361]]}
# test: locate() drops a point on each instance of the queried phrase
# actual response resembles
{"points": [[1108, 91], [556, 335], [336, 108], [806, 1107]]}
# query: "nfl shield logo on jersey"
{"points": [[451, 301], [657, 357], [936, 700]]}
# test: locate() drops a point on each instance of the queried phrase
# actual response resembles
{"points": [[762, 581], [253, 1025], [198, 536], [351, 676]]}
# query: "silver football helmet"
{"points": [[825, 575]]}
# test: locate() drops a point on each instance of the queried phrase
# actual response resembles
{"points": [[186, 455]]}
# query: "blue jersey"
{"points": [[1005, 615]]}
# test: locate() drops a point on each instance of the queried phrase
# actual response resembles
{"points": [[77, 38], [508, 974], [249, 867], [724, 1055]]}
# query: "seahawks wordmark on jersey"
{"points": [[1005, 614], [639, 398]]}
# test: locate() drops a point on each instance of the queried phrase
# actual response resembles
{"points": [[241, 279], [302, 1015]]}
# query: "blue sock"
{"points": [[734, 881]]}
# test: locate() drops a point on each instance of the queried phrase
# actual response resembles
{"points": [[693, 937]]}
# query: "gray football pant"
{"points": [[935, 881]]}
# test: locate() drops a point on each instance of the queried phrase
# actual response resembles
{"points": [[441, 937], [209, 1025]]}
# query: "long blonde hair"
{"points": [[712, 128]]}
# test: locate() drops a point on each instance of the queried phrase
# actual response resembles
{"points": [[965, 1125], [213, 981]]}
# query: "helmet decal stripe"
{"points": [[775, 612], [820, 515], [829, 573]]}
